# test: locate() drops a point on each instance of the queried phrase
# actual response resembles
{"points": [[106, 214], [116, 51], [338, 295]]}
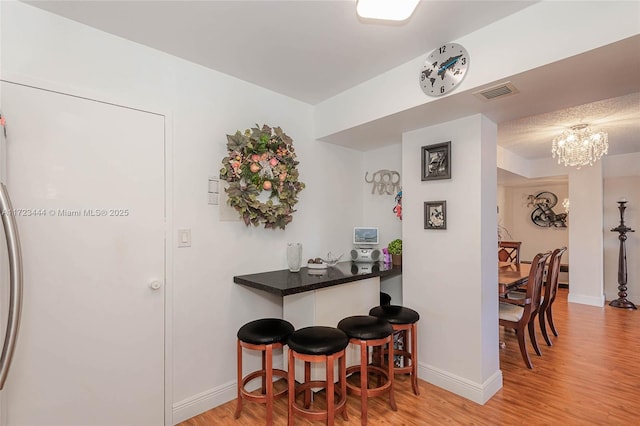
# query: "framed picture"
{"points": [[435, 215], [436, 161]]}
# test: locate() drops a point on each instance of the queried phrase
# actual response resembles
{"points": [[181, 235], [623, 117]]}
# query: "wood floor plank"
{"points": [[590, 376]]}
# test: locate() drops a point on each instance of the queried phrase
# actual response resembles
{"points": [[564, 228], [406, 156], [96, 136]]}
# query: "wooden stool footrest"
{"points": [[253, 397], [371, 391], [312, 414]]}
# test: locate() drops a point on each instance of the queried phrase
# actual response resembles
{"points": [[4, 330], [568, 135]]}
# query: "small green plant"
{"points": [[395, 247]]}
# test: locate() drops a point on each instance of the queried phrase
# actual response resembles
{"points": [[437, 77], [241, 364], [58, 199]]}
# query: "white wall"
{"points": [[203, 106], [449, 276], [378, 209]]}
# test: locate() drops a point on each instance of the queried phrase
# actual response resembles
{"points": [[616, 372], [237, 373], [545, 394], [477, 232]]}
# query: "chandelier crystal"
{"points": [[579, 146]]}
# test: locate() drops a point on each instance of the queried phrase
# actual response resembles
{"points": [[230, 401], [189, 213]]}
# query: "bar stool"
{"points": [[263, 335], [318, 344], [369, 331], [403, 320]]}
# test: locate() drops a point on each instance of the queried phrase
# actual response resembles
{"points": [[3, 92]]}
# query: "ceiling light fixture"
{"points": [[580, 145], [391, 10]]}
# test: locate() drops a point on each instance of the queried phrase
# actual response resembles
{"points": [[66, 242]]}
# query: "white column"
{"points": [[450, 276], [585, 235]]}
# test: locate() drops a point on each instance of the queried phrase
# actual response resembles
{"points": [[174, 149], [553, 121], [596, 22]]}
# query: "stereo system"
{"points": [[366, 255]]}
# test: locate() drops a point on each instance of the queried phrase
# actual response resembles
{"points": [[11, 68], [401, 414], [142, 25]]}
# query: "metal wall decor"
{"points": [[543, 214], [384, 181], [436, 161]]}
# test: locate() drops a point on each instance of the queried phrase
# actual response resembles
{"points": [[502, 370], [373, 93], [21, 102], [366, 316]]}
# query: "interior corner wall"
{"points": [[585, 237], [378, 208], [457, 263]]}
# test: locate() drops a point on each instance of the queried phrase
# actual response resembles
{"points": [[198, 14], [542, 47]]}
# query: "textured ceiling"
{"points": [[531, 137]]}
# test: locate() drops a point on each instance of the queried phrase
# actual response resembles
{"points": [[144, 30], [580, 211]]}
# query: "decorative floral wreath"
{"points": [[262, 159]]}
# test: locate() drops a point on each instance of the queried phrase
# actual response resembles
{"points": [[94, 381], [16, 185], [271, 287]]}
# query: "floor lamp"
{"points": [[621, 301]]}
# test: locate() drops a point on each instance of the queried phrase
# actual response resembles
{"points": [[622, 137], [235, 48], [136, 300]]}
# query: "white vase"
{"points": [[294, 256]]}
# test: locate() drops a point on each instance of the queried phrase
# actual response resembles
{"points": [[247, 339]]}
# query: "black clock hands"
{"points": [[449, 64]]}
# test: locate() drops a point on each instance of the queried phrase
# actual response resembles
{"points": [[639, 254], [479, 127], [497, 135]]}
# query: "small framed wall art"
{"points": [[435, 215], [436, 161]]}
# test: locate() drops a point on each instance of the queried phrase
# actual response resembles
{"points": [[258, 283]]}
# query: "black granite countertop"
{"points": [[284, 282]]}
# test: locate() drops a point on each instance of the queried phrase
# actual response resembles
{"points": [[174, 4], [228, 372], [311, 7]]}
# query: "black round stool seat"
{"points": [[318, 340], [265, 331], [395, 314], [365, 327]]}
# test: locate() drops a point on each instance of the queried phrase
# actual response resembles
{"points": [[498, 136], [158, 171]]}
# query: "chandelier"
{"points": [[579, 146]]}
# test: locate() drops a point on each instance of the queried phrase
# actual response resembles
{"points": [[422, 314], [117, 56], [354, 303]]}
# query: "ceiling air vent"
{"points": [[499, 91]]}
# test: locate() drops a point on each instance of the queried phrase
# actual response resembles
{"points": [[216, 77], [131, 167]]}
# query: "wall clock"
{"points": [[444, 69]]}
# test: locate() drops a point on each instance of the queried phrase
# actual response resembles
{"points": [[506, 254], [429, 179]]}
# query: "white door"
{"points": [[87, 183]]}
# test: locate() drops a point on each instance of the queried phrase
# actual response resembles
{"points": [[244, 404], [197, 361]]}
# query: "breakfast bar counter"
{"points": [[284, 283], [323, 296]]}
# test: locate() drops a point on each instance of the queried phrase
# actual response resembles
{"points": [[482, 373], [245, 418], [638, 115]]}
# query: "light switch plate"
{"points": [[213, 185], [184, 237]]}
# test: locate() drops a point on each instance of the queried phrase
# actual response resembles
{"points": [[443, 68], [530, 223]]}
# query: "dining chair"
{"points": [[517, 314], [509, 251], [550, 290]]}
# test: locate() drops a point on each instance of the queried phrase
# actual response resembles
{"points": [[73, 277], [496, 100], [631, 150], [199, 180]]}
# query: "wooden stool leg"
{"points": [[414, 358], [263, 388], [307, 378], [269, 383], [239, 378], [392, 398], [291, 379], [342, 374], [330, 391], [405, 344], [364, 381]]}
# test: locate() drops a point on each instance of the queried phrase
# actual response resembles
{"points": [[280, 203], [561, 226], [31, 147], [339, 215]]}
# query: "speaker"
{"points": [[365, 255]]}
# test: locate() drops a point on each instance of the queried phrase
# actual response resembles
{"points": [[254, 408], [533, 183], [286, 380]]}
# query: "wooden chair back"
{"points": [[522, 316], [534, 286], [509, 251], [553, 273]]}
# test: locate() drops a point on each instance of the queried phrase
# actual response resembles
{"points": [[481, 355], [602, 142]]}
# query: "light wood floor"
{"points": [[590, 376]]}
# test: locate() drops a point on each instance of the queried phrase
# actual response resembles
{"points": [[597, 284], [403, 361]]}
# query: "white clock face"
{"points": [[444, 69]]}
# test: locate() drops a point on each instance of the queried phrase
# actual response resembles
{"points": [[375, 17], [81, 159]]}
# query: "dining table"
{"points": [[512, 275]]}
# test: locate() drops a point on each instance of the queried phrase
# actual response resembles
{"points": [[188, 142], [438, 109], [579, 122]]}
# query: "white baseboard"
{"points": [[476, 392], [586, 300], [203, 401]]}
